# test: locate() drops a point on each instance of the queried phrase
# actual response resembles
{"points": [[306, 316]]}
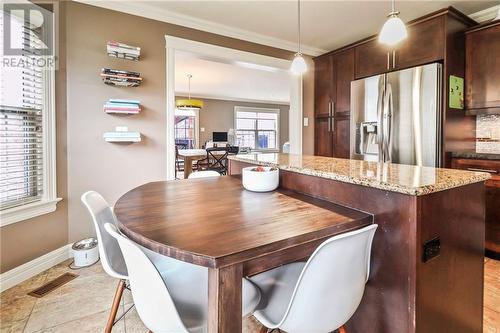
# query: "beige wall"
{"points": [[115, 168], [85, 161], [218, 116]]}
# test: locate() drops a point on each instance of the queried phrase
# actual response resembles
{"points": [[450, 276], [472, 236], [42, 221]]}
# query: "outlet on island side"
{"points": [[432, 249]]}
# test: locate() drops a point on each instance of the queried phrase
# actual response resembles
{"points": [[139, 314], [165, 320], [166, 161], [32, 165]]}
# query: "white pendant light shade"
{"points": [[299, 65], [393, 31]]}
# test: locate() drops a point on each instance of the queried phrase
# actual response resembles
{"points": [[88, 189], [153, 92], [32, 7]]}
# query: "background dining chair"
{"points": [[109, 251], [173, 298], [320, 295], [203, 174]]}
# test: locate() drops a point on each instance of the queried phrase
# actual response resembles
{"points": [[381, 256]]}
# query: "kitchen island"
{"points": [[427, 258]]}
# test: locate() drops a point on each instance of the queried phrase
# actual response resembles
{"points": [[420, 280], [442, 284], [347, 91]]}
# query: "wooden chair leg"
{"points": [[342, 329], [114, 307]]}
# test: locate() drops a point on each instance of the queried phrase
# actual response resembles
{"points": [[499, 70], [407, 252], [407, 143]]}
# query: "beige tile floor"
{"points": [[82, 305]]}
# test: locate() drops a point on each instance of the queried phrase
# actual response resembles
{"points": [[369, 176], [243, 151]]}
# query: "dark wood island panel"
{"points": [[406, 294]]}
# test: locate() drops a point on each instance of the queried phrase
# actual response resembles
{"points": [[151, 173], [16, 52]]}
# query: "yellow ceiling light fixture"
{"points": [[299, 65], [189, 103], [394, 29]]}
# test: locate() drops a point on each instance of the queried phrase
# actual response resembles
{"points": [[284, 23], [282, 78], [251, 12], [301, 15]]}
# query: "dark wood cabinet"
{"points": [[323, 137], [425, 44], [492, 200], [436, 37], [344, 74], [482, 45], [323, 86], [371, 58], [341, 136], [333, 102]]}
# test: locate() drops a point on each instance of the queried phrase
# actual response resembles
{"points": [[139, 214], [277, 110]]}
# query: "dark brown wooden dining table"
{"points": [[216, 223]]}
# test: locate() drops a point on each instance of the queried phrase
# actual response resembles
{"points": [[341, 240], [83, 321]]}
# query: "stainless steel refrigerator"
{"points": [[396, 117]]}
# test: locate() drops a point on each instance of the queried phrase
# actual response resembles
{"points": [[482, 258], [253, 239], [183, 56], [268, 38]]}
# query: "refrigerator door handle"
{"points": [[388, 111], [380, 129]]}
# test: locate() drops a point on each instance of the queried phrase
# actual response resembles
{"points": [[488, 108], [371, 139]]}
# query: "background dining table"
{"points": [[216, 223], [189, 156]]}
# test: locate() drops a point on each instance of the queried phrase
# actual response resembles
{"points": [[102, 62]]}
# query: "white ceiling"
{"points": [[326, 25], [218, 79]]}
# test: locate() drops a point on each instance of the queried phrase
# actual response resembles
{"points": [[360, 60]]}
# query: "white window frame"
{"points": [[49, 200], [260, 110], [196, 114]]}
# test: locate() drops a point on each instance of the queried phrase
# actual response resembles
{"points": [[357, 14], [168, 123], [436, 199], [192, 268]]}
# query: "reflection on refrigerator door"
{"points": [[365, 130]]}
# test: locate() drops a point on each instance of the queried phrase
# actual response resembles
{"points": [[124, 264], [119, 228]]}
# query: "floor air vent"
{"points": [[53, 285]]}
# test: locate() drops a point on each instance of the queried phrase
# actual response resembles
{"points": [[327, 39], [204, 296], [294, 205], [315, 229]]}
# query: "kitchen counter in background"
{"points": [[487, 163], [399, 178], [476, 156]]}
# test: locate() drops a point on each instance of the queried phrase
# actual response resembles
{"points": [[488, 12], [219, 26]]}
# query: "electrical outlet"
{"points": [[431, 249]]}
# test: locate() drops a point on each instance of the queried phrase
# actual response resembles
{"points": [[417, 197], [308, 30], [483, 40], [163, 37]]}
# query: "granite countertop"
{"points": [[407, 179], [476, 156]]}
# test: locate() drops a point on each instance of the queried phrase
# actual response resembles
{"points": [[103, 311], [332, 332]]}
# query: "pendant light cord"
{"points": [[393, 6], [298, 16]]}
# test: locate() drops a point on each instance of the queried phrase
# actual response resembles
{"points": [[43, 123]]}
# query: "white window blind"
{"points": [[21, 156], [21, 124]]}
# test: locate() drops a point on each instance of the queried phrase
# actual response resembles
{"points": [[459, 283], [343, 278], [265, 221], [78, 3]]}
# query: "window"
{"points": [[186, 128], [257, 128], [27, 128]]}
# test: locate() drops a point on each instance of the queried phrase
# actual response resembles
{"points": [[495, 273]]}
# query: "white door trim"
{"points": [[175, 43]]}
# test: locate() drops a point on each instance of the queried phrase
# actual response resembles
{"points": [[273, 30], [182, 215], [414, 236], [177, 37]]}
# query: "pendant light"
{"points": [[299, 65], [394, 30], [189, 104]]}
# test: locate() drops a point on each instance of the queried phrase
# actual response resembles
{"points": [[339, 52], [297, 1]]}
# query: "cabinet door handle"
{"points": [[329, 124], [329, 108], [482, 170], [388, 61], [394, 59], [333, 124]]}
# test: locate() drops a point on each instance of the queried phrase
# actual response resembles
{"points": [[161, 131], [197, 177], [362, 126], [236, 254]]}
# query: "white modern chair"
{"points": [[203, 174], [320, 295], [109, 251], [173, 298]]}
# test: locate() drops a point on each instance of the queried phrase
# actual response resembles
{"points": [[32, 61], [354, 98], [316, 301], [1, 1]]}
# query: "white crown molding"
{"points": [[145, 10], [25, 271], [486, 14], [231, 99]]}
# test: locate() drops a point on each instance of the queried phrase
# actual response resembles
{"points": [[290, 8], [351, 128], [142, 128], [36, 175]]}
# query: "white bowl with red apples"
{"points": [[260, 178]]}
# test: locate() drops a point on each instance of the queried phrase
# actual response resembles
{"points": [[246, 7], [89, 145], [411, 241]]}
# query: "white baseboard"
{"points": [[33, 267]]}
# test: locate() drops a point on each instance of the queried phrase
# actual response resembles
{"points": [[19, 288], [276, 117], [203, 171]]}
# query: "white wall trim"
{"points": [[139, 8], [175, 43], [486, 14], [232, 99], [295, 120], [170, 109], [34, 267], [225, 53]]}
